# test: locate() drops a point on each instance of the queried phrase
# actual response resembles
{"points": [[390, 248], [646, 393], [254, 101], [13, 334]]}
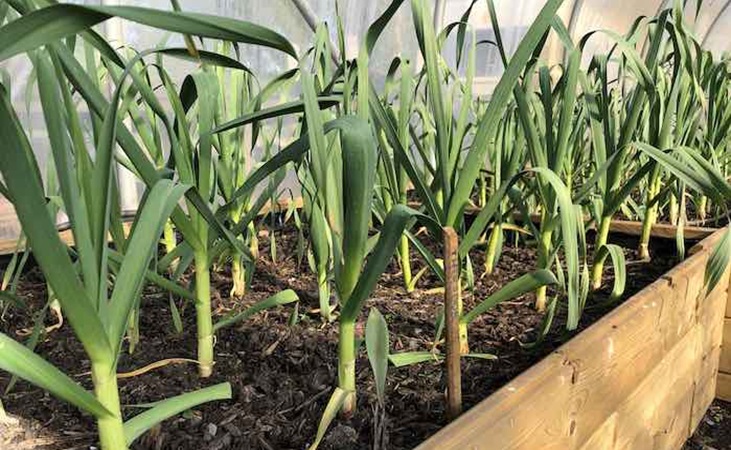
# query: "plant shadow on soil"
{"points": [[282, 375]]}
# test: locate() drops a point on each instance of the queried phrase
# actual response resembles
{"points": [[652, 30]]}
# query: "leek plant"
{"points": [[200, 227], [350, 168], [145, 125], [320, 257], [504, 161], [234, 152], [346, 213], [713, 140], [445, 200], [548, 141], [319, 177], [392, 176], [98, 316], [344, 171], [668, 115], [198, 108], [622, 113], [238, 97], [240, 204]]}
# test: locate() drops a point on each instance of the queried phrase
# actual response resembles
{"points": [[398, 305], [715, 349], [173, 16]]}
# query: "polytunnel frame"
{"points": [[579, 4], [715, 21]]}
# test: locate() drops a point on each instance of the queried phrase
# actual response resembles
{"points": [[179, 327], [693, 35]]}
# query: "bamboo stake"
{"points": [[451, 314]]}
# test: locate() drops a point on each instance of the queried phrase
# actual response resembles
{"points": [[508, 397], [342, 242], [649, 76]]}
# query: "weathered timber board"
{"points": [[656, 415], [660, 230], [723, 386], [640, 378], [725, 364]]}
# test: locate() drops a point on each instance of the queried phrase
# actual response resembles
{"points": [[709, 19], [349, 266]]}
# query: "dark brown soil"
{"points": [[282, 374], [714, 431]]}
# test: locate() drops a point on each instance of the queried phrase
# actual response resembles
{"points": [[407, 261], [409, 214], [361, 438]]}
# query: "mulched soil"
{"points": [[282, 374], [714, 431]]}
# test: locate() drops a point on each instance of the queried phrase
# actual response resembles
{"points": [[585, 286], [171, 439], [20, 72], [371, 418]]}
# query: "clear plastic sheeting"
{"points": [[514, 17], [19, 75], [398, 40], [714, 21], [283, 17]]}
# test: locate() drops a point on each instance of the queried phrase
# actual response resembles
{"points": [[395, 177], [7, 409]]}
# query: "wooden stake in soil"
{"points": [[451, 316]]}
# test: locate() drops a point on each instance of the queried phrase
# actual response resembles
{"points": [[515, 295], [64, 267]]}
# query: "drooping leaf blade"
{"points": [[22, 362], [138, 425]]}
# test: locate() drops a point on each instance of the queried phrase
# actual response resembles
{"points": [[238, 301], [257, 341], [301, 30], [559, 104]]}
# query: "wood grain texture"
{"points": [[628, 227], [640, 378], [506, 420], [451, 318], [723, 386], [725, 364], [603, 437], [656, 415], [710, 309], [660, 230], [706, 387]]}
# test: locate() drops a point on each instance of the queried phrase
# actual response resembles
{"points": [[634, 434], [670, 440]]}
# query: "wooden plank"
{"points": [[657, 414], [710, 325], [527, 413], [660, 230], [670, 426], [706, 244], [615, 355], [648, 414], [710, 314], [680, 299], [452, 313], [723, 386], [705, 387], [678, 296], [725, 364], [597, 370], [611, 358], [662, 341], [710, 322], [628, 227], [603, 437], [10, 246]]}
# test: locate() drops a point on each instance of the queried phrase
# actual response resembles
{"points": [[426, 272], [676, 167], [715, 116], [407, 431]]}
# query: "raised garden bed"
{"points": [[641, 378], [656, 349]]}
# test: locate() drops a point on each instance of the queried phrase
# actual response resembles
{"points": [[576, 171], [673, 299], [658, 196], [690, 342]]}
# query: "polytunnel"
{"points": [[296, 19]]}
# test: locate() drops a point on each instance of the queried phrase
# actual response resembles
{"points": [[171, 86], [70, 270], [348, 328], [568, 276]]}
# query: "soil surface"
{"points": [[282, 373], [714, 431]]}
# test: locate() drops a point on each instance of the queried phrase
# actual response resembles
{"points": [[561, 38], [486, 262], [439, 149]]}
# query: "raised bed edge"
{"points": [[640, 378]]}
